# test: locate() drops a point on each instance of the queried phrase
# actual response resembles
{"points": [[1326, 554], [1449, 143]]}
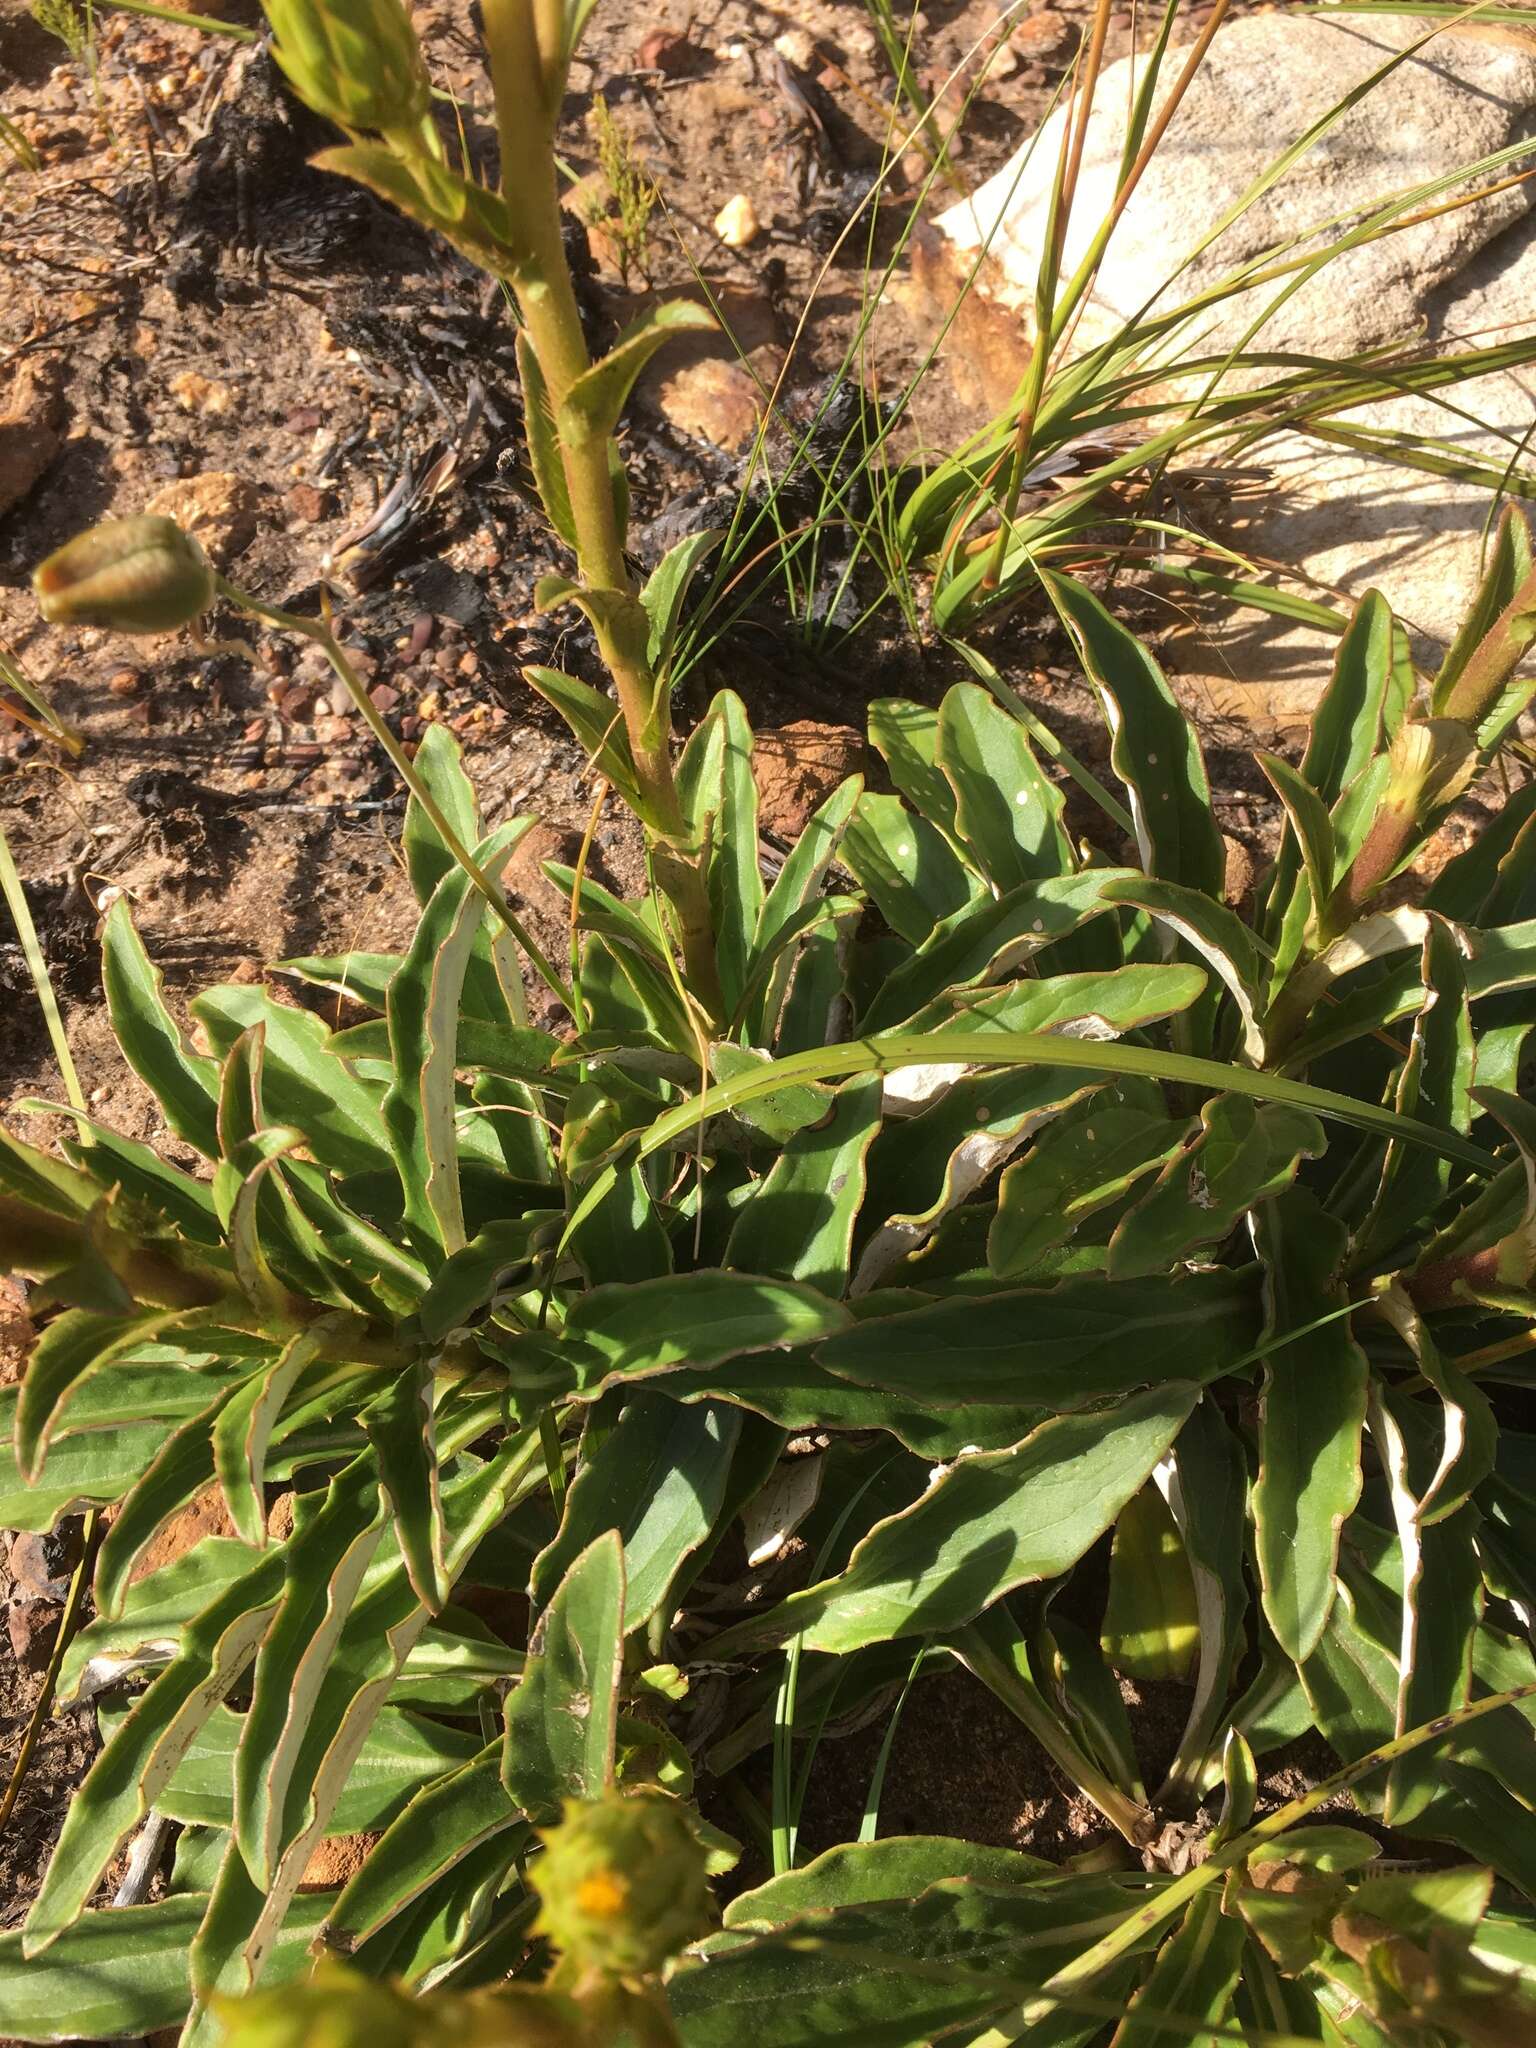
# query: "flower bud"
{"points": [[623, 1884], [357, 62], [135, 575]]}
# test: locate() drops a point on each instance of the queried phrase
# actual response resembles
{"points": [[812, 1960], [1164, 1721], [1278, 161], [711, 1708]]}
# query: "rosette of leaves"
{"points": [[1044, 1203]]}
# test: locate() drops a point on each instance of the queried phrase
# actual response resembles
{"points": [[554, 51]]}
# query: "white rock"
{"points": [[1335, 520], [1265, 80], [1350, 520]]}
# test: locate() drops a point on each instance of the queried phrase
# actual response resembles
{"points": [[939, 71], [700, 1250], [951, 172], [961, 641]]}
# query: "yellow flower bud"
{"points": [[135, 575], [357, 62], [622, 1884]]}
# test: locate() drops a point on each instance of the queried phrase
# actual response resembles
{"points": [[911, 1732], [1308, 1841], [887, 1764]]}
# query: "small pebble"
{"points": [[737, 223]]}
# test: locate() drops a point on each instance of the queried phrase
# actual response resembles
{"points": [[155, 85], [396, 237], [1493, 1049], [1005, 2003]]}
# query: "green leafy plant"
{"points": [[625, 216], [66, 20], [987, 1202]]}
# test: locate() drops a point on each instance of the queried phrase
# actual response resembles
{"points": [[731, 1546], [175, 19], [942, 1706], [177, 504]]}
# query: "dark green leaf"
{"points": [[1153, 750], [562, 1716], [798, 1224], [991, 1522], [184, 1083], [1007, 811], [1057, 1348], [658, 1477], [1310, 1421], [1243, 1154]]}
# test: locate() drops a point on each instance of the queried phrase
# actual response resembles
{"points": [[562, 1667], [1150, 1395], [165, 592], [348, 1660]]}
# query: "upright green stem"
{"points": [[526, 43]]}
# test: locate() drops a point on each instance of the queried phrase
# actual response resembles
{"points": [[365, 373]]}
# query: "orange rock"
{"points": [[797, 767], [204, 1516], [16, 1333], [335, 1861], [217, 508], [31, 426]]}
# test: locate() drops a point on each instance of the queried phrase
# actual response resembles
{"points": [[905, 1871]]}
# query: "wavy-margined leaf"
{"points": [[470, 1278], [478, 222], [439, 765], [303, 1084], [367, 1653], [1241, 1156], [1440, 1607], [122, 1421], [993, 1521], [73, 1348], [796, 885], [1094, 1005], [155, 1611], [1192, 1979], [921, 1168], [987, 938], [1356, 712], [419, 1108], [401, 1428], [183, 1082], [906, 866], [324, 1563], [774, 1989], [907, 736], [777, 1117], [1485, 883], [1501, 958], [243, 1427], [562, 1717], [1359, 711], [1007, 810], [404, 1752], [686, 1321], [860, 1874], [789, 1388], [129, 1774], [1217, 934], [1434, 1085], [1088, 1157], [1153, 748], [1310, 1421], [445, 1821], [1487, 1252], [1056, 1348], [1208, 1496], [658, 1477], [798, 1223], [121, 1974], [1465, 1445], [1310, 825], [592, 403], [112, 1160], [1507, 566], [181, 1467]]}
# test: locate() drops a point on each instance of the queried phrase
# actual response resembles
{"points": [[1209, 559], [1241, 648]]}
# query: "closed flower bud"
{"points": [[355, 61], [134, 575], [623, 1884]]}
